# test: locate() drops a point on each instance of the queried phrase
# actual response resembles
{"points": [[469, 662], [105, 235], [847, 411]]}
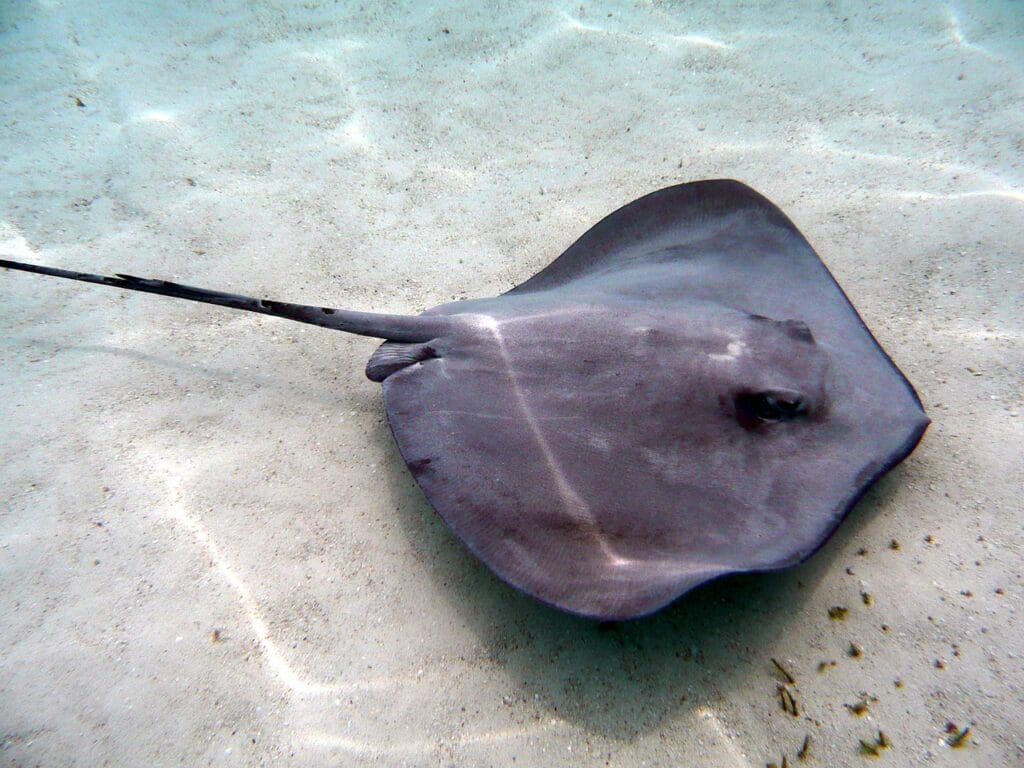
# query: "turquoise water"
{"points": [[211, 551]]}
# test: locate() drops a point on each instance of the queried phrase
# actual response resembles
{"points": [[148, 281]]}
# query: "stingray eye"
{"points": [[770, 406]]}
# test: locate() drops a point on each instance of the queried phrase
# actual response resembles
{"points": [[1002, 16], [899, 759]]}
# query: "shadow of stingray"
{"points": [[215, 373], [622, 680], [619, 680]]}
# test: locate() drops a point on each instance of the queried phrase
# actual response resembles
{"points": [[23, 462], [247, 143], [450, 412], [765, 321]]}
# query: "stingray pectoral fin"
{"points": [[404, 328]]}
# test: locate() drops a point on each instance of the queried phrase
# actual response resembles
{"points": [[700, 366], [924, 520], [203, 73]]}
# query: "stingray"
{"points": [[686, 392]]}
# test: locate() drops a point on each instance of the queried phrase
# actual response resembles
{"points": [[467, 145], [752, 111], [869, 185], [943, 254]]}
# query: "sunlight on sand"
{"points": [[1008, 194], [964, 332], [13, 243], [176, 510], [329, 55], [709, 716], [700, 41], [996, 185], [173, 477], [953, 22], [575, 24], [423, 746], [466, 176], [156, 116], [353, 131]]}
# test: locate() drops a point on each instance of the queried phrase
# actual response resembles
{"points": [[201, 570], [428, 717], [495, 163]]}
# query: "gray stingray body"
{"points": [[684, 393]]}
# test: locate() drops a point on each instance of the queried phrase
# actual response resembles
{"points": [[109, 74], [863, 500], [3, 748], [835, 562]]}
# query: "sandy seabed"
{"points": [[210, 549]]}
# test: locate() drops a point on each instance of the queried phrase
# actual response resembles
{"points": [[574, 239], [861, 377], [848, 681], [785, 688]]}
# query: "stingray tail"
{"points": [[406, 328]]}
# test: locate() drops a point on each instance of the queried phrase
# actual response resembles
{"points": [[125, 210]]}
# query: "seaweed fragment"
{"points": [[805, 749], [875, 748], [788, 701], [861, 707], [785, 673]]}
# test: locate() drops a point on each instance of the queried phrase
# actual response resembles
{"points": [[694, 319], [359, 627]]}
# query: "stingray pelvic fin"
{"points": [[404, 328], [391, 358]]}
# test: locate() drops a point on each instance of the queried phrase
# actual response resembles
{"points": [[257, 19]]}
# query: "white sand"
{"points": [[170, 470]]}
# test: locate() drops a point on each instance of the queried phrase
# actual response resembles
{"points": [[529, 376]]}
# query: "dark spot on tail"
{"points": [[327, 310]]}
